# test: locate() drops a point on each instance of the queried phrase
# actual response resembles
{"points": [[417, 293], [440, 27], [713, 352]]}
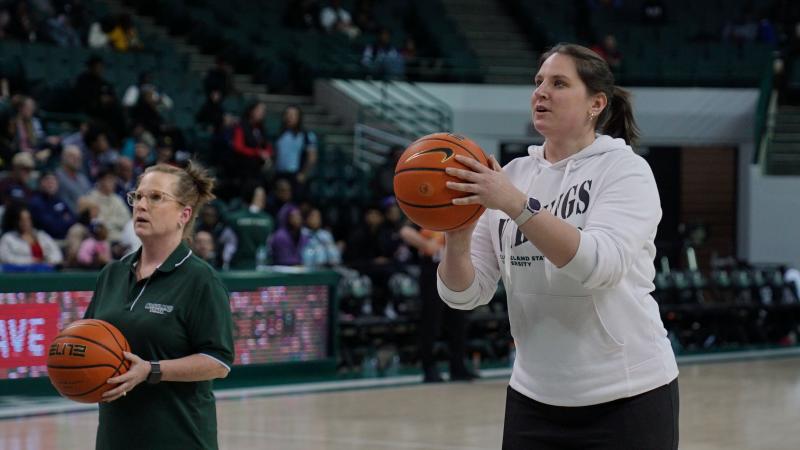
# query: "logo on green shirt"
{"points": [[158, 308]]}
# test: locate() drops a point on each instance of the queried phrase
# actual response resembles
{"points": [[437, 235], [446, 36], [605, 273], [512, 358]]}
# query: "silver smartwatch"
{"points": [[531, 208]]}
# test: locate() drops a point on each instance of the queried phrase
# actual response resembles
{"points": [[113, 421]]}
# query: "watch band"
{"points": [[529, 209], [155, 373]]}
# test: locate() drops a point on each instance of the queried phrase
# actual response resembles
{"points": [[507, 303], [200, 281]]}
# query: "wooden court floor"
{"points": [[753, 405]]}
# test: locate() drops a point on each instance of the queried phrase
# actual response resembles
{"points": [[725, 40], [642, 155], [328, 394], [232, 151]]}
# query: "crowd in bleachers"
{"points": [[63, 190]]}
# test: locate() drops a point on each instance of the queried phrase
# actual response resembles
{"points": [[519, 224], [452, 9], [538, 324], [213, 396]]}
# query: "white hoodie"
{"points": [[588, 332]]}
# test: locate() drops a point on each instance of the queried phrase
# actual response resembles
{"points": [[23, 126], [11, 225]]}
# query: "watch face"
{"points": [[534, 205]]}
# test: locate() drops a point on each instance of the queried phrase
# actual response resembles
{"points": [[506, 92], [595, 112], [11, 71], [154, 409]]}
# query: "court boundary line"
{"points": [[59, 405]]}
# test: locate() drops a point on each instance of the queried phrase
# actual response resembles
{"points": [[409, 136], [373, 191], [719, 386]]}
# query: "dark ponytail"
{"points": [[617, 119]]}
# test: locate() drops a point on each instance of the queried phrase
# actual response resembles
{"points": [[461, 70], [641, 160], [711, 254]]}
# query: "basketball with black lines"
{"points": [[84, 356], [420, 182]]}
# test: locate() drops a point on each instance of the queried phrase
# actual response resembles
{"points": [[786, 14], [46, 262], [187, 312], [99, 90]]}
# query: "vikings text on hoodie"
{"points": [[588, 332]]}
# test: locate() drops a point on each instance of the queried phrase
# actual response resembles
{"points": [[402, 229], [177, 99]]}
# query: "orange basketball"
{"points": [[420, 182], [84, 356]]}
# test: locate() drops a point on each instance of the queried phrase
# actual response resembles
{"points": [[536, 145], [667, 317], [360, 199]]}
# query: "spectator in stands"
{"points": [[321, 248], [145, 112], [295, 150], [281, 195], [100, 154], [21, 26], [302, 15], [165, 151], [22, 244], [30, 133], [98, 33], [87, 213], [96, 97], [95, 251], [144, 156], [124, 37], [395, 221], [77, 138], [220, 78], [225, 240], [132, 94], [383, 181], [381, 59], [365, 16], [653, 12], [8, 140], [743, 28], [14, 188], [288, 242], [413, 64], [126, 178], [252, 151], [369, 251], [113, 212], [334, 18], [130, 146], [791, 278], [49, 212], [61, 32], [72, 182], [767, 32], [5, 18], [609, 51], [211, 115], [203, 247], [252, 227]]}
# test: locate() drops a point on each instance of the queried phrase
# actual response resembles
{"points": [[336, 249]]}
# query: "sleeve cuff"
{"points": [[581, 266], [458, 297], [223, 364]]}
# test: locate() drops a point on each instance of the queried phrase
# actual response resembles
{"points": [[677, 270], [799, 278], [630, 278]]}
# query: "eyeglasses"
{"points": [[153, 197]]}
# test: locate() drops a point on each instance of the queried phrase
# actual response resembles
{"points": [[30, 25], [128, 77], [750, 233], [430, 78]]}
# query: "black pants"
{"points": [[437, 316], [646, 421]]}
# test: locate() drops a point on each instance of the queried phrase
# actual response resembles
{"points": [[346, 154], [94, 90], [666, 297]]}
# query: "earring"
{"points": [[591, 116]]}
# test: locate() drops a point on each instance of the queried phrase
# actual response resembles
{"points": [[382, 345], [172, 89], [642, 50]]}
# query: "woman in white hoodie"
{"points": [[570, 229]]}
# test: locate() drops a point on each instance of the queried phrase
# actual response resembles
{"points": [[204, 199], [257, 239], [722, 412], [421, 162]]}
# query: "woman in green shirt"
{"points": [[174, 311]]}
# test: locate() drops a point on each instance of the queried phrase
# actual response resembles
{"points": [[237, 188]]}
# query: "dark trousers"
{"points": [[436, 316], [646, 421]]}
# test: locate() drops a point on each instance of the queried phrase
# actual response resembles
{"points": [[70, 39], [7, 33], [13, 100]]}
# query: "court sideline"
{"points": [[731, 405]]}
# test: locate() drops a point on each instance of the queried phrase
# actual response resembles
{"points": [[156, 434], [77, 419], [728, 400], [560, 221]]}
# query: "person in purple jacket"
{"points": [[287, 243]]}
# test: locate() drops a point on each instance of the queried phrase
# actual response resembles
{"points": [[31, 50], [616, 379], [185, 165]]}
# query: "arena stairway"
{"points": [[317, 118], [783, 150], [503, 50]]}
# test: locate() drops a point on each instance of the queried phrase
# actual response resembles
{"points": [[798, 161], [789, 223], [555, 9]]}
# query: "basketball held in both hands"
{"points": [[420, 182], [84, 356]]}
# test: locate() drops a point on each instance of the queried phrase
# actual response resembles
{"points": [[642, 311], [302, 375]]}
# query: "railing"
{"points": [[766, 131], [402, 108], [394, 113], [373, 146], [765, 102]]}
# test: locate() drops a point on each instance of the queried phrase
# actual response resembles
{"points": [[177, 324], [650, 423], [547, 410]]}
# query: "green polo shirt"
{"points": [[180, 310], [252, 230]]}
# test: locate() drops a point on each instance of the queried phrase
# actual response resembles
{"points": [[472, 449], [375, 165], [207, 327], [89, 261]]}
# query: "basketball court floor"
{"points": [[746, 405]]}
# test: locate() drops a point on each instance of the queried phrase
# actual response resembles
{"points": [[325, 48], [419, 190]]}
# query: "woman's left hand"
{"points": [[138, 372], [490, 186]]}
